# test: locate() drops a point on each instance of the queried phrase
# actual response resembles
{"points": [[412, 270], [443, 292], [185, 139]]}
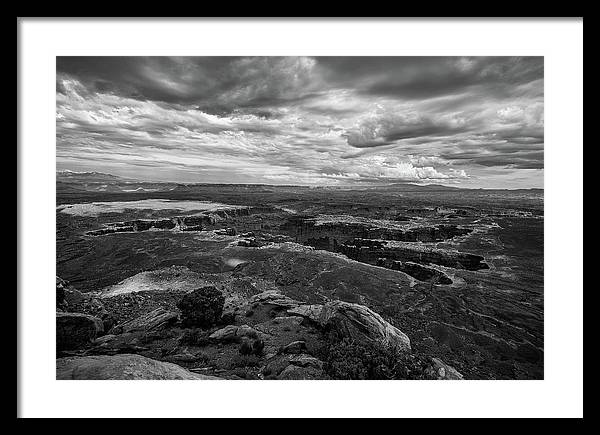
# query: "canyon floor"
{"points": [[451, 279]]}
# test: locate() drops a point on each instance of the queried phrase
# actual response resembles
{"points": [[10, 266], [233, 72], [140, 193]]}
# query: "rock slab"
{"points": [[355, 322], [150, 321], [121, 367]]}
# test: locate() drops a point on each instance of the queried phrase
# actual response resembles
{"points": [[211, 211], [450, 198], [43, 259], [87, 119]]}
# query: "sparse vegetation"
{"points": [[244, 373], [251, 347], [227, 319], [245, 361], [347, 360], [194, 337]]}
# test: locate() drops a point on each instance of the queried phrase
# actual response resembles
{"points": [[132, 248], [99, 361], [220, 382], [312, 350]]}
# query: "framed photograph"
{"points": [[332, 226]]}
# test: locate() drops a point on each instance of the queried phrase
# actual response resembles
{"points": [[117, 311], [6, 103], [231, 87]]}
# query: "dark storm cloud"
{"points": [[149, 78], [268, 81], [427, 77], [217, 84], [507, 157], [388, 128], [304, 120]]}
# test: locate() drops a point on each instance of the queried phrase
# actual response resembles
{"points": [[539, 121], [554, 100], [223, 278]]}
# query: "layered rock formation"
{"points": [[387, 244], [327, 232], [153, 320], [197, 222], [355, 322], [371, 250], [420, 272]]}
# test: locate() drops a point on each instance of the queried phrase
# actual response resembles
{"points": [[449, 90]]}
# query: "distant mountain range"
{"points": [[89, 177], [410, 187], [93, 178]]}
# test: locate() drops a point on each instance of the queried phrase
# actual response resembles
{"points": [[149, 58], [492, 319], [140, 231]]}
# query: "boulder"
{"points": [[352, 321], [127, 342], [355, 322], [442, 371], [224, 334], [289, 321], [273, 297], [293, 367], [150, 321], [104, 339], [232, 332], [76, 330], [121, 367]]}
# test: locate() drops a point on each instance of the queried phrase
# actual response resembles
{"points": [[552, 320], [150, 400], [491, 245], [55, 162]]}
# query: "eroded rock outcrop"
{"points": [[372, 251], [197, 222], [325, 232], [355, 322], [352, 321], [391, 244], [150, 321], [233, 332], [273, 297], [420, 272]]}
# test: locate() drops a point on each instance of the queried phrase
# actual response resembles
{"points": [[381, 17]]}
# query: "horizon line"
{"points": [[412, 183]]}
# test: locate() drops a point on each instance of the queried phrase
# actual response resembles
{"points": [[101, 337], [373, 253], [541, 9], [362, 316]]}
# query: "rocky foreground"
{"points": [[209, 333]]}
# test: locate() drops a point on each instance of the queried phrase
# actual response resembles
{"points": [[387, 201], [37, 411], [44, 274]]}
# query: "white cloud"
{"points": [[304, 132]]}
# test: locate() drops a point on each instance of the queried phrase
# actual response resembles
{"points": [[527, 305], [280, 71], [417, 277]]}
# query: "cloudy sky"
{"points": [[469, 122]]}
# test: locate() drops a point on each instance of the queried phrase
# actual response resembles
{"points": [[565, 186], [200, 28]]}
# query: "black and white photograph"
{"points": [[314, 218], [300, 217]]}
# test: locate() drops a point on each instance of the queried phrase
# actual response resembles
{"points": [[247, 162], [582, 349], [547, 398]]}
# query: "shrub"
{"points": [[245, 348], [203, 307], [203, 358], [348, 360], [60, 296], [258, 346], [254, 347]]}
